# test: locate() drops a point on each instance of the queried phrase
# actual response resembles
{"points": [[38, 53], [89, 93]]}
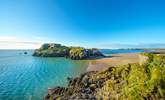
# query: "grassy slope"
{"points": [[134, 81], [129, 82]]}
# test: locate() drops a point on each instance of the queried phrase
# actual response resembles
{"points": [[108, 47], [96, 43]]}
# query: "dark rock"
{"points": [[92, 87], [78, 88]]}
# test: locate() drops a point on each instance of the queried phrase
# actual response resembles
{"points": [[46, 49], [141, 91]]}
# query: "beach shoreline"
{"points": [[115, 60]]}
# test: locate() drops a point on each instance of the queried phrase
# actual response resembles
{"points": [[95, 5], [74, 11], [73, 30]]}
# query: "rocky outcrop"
{"points": [[57, 50], [78, 53], [82, 87], [94, 52]]}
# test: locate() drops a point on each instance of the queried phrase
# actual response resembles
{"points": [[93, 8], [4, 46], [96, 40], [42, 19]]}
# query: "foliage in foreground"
{"points": [[129, 82], [134, 81]]}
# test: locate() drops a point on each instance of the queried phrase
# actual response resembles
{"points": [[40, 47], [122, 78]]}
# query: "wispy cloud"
{"points": [[8, 38], [25, 40], [21, 42], [12, 42]]}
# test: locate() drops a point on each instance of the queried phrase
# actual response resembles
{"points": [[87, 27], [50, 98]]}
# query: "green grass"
{"points": [[134, 81]]}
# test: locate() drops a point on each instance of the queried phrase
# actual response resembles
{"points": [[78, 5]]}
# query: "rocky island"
{"points": [[74, 53]]}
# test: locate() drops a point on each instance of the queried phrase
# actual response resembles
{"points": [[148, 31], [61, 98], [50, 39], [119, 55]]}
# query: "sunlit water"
{"points": [[24, 77], [109, 52]]}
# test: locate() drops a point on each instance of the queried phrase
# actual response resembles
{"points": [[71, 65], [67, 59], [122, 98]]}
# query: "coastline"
{"points": [[117, 82], [115, 60]]}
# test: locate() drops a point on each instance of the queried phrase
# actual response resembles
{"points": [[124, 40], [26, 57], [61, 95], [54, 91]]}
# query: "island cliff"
{"points": [[75, 53]]}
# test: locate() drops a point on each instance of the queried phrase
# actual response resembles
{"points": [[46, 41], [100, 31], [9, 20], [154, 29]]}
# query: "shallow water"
{"points": [[24, 77], [108, 52]]}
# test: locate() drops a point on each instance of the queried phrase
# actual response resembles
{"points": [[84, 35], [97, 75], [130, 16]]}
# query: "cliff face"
{"points": [[78, 53], [131, 82], [57, 50]]}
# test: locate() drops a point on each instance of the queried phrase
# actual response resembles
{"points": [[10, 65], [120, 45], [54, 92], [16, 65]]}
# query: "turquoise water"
{"points": [[24, 77], [108, 52]]}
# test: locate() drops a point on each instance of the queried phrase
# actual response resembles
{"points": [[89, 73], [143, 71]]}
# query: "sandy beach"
{"points": [[115, 60]]}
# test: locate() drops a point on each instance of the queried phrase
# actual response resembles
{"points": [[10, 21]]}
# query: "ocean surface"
{"points": [[24, 77], [108, 52]]}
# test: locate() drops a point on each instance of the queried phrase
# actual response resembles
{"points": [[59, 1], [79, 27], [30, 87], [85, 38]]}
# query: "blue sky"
{"points": [[88, 23]]}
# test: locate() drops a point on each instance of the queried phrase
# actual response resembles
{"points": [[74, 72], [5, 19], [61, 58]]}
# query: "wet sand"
{"points": [[115, 60]]}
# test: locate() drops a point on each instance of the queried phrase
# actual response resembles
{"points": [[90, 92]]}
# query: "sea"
{"points": [[25, 77]]}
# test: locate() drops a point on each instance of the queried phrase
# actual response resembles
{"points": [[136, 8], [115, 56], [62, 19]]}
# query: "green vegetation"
{"points": [[129, 82], [57, 50], [77, 53], [52, 50], [134, 81]]}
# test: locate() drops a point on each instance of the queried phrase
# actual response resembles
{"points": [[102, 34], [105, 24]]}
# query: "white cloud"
{"points": [[9, 45], [8, 38], [12, 42]]}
